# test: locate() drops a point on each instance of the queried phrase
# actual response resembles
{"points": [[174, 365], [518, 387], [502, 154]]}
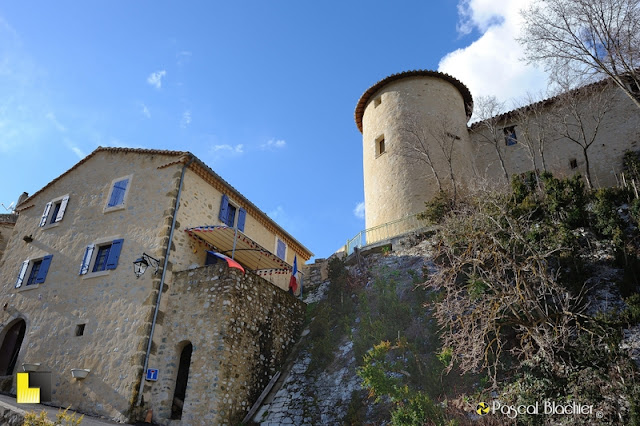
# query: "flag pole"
{"points": [[235, 238]]}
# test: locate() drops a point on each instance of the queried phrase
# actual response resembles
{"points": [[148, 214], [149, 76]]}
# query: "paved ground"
{"points": [[7, 401]]}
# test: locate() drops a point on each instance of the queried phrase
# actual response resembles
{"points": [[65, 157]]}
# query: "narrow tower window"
{"points": [[380, 148], [377, 101]]}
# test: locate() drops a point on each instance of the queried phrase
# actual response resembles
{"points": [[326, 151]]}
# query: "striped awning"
{"points": [[247, 252]]}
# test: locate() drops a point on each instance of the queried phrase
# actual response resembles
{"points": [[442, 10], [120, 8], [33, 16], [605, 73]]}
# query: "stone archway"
{"points": [[10, 348], [181, 381]]}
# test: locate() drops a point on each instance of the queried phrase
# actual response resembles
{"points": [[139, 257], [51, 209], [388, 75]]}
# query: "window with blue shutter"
{"points": [[34, 271], [118, 192], [231, 215], [106, 257], [281, 249], [44, 269], [101, 258], [242, 216], [114, 254], [224, 209]]}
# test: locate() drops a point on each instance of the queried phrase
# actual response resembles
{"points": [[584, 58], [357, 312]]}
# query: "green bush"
{"points": [[631, 165], [417, 411], [63, 418], [606, 219], [436, 209]]}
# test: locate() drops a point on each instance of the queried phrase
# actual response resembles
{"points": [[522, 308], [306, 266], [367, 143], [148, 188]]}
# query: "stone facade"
{"points": [[241, 328], [409, 111], [7, 223], [398, 181], [102, 320]]}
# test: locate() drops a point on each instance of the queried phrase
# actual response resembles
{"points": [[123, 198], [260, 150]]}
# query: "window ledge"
{"points": [[51, 225], [114, 208], [382, 153], [90, 275], [27, 287]]}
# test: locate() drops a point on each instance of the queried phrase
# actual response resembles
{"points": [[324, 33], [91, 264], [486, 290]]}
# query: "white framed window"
{"points": [[33, 272], [101, 257], [281, 249], [118, 193], [231, 215], [54, 211]]}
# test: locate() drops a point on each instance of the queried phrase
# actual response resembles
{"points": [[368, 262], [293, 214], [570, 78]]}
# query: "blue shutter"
{"points": [[224, 209], [84, 268], [22, 273], [114, 254], [281, 249], [242, 215], [117, 193], [44, 268]]}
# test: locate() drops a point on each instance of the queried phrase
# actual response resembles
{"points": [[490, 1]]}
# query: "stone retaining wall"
{"points": [[241, 328]]}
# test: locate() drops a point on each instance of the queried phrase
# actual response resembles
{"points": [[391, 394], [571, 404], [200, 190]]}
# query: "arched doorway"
{"points": [[11, 347], [181, 382]]}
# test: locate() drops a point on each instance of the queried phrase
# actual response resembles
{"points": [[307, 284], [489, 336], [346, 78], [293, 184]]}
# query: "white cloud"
{"points": [[359, 210], [492, 64], [238, 149], [73, 147], [145, 111], [274, 144], [155, 78], [186, 119], [52, 118]]}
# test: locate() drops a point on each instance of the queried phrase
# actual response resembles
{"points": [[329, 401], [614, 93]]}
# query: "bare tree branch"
{"points": [[586, 38]]}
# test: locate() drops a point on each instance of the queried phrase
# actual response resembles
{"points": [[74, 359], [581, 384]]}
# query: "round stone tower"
{"points": [[409, 121]]}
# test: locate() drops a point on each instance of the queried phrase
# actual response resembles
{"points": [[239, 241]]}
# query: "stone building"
{"points": [[193, 339], [415, 136], [7, 223]]}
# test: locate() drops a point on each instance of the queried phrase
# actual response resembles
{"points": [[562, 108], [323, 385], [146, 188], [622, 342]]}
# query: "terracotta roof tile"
{"points": [[366, 96], [185, 156]]}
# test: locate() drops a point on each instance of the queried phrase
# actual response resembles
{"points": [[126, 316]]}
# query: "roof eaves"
{"points": [[368, 94], [237, 194], [95, 151]]}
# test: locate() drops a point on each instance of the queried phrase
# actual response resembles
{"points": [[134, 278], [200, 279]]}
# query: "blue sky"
{"points": [[261, 91]]}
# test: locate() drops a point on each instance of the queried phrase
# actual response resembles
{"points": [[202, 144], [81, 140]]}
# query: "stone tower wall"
{"points": [[397, 182]]}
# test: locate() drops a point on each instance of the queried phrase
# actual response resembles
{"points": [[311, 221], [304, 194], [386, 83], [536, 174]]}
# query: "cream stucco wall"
{"points": [[114, 305], [396, 183], [200, 205], [619, 131]]}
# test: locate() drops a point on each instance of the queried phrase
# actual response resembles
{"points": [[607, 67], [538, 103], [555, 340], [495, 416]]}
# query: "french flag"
{"points": [[293, 282], [232, 263]]}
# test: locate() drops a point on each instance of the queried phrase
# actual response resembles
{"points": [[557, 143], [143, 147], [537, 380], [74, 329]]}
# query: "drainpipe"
{"points": [[164, 273]]}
